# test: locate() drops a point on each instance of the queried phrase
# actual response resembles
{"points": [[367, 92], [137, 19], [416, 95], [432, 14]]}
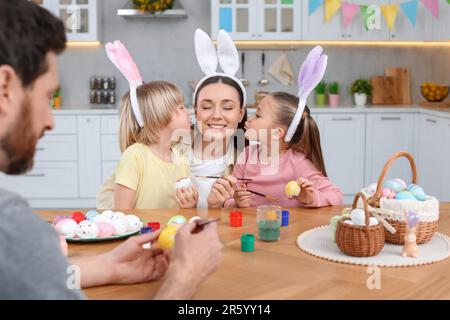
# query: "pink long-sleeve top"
{"points": [[271, 179]]}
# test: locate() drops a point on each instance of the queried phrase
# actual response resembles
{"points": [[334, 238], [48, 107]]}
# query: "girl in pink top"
{"points": [[273, 162]]}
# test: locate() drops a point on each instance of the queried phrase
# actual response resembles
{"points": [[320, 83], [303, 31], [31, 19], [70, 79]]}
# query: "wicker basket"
{"points": [[425, 229], [360, 241]]}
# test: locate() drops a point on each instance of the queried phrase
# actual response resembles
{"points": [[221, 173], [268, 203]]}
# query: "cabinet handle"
{"points": [[431, 120], [349, 35], [343, 35], [342, 119], [88, 120], [35, 175], [391, 118], [393, 35], [40, 149]]}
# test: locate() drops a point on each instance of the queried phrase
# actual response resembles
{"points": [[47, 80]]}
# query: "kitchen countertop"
{"points": [[280, 270], [414, 108]]}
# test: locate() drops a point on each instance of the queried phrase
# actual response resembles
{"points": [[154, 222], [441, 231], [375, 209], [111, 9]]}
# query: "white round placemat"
{"points": [[319, 243]]}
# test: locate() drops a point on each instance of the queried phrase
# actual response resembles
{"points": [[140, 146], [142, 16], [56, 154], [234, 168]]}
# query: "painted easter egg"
{"points": [[108, 213], [405, 195], [105, 229], [134, 223], [166, 239], [67, 228], [373, 221], [178, 221], [87, 230], [194, 218], [118, 215], [372, 188], [90, 215], [120, 226], [78, 217], [417, 192], [350, 222], [387, 193], [101, 218], [292, 189], [395, 184], [183, 183], [358, 217], [59, 218]]}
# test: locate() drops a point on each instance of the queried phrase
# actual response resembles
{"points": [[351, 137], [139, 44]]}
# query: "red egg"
{"points": [[78, 216]]}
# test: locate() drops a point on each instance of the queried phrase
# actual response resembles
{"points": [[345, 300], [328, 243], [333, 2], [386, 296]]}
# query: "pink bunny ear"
{"points": [[121, 58]]}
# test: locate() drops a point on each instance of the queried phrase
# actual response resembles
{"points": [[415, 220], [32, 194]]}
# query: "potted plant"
{"points": [[361, 89], [152, 6], [333, 94], [320, 93], [57, 99]]}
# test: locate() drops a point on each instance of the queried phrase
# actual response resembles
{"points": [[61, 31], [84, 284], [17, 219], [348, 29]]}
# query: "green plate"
{"points": [[123, 236]]}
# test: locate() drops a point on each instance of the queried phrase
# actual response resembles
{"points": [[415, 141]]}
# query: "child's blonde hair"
{"points": [[158, 101], [306, 138]]}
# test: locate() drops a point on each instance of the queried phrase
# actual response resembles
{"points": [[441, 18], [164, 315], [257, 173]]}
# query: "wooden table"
{"points": [[280, 270]]}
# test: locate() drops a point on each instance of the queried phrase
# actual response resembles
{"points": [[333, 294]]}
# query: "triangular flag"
{"points": [[389, 12], [349, 10], [410, 10], [371, 15], [331, 7], [313, 5], [433, 6]]}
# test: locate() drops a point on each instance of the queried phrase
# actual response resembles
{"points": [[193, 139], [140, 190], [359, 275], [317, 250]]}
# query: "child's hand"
{"points": [[242, 197], [187, 197], [306, 195], [222, 190]]}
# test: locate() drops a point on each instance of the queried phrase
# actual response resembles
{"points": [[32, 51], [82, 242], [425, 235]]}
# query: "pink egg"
{"points": [[59, 218], [387, 193], [67, 228], [105, 229]]}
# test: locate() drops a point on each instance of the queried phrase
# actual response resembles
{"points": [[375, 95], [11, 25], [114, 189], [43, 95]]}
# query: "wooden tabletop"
{"points": [[280, 270]]}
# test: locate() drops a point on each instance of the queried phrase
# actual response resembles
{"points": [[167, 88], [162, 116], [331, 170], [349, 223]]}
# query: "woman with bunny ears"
{"points": [[149, 167], [219, 103], [289, 149]]}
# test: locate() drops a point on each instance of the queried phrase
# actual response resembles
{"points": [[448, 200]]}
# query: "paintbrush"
{"points": [[201, 223], [263, 195], [217, 177]]}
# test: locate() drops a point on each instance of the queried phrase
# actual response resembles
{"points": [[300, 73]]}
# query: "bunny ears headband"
{"points": [[208, 58], [310, 74], [123, 61]]}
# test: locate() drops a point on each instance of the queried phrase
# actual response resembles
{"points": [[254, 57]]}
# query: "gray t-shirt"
{"points": [[32, 265]]}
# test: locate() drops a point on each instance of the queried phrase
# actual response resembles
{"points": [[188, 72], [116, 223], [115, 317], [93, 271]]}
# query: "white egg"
{"points": [[358, 217], [120, 226], [102, 218], [118, 214], [134, 223], [372, 188], [183, 183], [108, 213], [373, 221], [87, 230], [67, 228], [194, 218], [350, 222]]}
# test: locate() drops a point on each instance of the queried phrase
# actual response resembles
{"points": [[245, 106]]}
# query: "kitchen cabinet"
{"points": [[80, 17], [387, 134], [357, 31], [441, 26], [433, 151], [315, 28], [403, 29], [257, 19], [342, 138], [445, 188]]}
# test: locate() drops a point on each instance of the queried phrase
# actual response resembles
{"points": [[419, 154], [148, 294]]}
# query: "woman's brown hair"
{"points": [[306, 138]]}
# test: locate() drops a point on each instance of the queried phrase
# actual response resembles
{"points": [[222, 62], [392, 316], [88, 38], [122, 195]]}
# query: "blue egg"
{"points": [[417, 191], [395, 184], [90, 215], [405, 195]]}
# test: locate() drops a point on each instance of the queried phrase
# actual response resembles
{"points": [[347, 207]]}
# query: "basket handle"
{"points": [[389, 164], [366, 208]]}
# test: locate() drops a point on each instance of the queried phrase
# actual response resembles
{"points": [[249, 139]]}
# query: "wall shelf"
{"points": [[176, 12]]}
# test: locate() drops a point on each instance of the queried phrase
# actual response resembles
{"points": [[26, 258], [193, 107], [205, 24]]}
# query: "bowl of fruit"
{"points": [[433, 92]]}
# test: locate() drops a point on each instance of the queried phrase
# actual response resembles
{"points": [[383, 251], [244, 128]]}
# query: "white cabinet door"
{"points": [[386, 135], [237, 17], [89, 149], [357, 31], [110, 147], [405, 31], [441, 26], [445, 188], [342, 139], [431, 157], [315, 28], [279, 20]]}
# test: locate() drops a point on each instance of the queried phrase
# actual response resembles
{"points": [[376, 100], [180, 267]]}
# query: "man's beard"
{"points": [[19, 143]]}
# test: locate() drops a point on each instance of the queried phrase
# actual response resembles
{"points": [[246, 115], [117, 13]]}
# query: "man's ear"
{"points": [[8, 80], [278, 133]]}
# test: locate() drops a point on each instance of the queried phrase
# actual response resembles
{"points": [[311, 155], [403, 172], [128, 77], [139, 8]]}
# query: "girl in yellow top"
{"points": [[149, 166]]}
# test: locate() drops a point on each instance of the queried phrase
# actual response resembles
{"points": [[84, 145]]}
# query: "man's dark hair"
{"points": [[27, 33]]}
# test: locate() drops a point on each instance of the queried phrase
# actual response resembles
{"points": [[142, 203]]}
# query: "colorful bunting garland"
{"points": [[370, 13]]}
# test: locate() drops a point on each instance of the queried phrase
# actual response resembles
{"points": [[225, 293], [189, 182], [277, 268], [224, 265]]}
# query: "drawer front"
{"points": [[46, 180], [110, 147], [107, 169], [110, 125], [64, 125], [57, 148]]}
